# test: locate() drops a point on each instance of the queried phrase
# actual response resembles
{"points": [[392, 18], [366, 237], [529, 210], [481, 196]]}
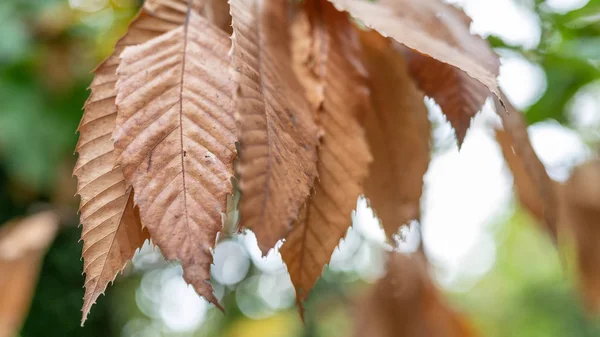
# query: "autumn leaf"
{"points": [[309, 47], [217, 12], [576, 212], [309, 98], [278, 136], [526, 190], [407, 28], [582, 217], [459, 95], [23, 244], [405, 302], [536, 190], [398, 131], [111, 229], [175, 140], [343, 151]]}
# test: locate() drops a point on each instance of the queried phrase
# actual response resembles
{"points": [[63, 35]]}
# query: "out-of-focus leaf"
{"points": [[405, 302], [582, 217], [578, 214], [526, 190], [23, 244], [536, 188]]}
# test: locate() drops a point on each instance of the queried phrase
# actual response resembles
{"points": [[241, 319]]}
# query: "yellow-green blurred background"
{"points": [[488, 255]]}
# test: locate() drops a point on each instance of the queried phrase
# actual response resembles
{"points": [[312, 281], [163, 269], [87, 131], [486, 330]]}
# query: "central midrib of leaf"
{"points": [[181, 87]]}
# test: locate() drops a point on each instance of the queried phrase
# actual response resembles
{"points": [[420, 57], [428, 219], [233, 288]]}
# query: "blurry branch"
{"points": [[407, 303], [23, 244]]}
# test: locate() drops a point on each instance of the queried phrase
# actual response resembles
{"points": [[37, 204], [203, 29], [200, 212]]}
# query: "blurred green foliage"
{"points": [[529, 292], [46, 55], [569, 53]]}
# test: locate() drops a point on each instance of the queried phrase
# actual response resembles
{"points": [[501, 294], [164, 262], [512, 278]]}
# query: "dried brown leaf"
{"points": [[459, 95], [23, 244], [309, 43], [414, 26], [536, 190], [278, 136], [217, 12], [406, 303], [574, 208], [398, 131], [525, 188], [582, 216], [344, 155], [111, 227], [175, 140]]}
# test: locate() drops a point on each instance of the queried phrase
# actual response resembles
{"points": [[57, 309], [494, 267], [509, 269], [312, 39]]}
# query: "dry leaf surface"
{"points": [[217, 12], [525, 188], [309, 47], [23, 244], [175, 140], [111, 230], [582, 217], [344, 155], [278, 136], [577, 213], [528, 169], [459, 95], [398, 131], [414, 26]]}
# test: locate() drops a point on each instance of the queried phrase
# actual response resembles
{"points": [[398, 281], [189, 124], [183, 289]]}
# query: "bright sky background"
{"points": [[464, 193]]}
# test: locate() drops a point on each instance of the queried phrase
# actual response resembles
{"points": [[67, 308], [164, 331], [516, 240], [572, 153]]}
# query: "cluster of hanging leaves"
{"points": [[577, 212], [23, 244], [323, 112]]}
